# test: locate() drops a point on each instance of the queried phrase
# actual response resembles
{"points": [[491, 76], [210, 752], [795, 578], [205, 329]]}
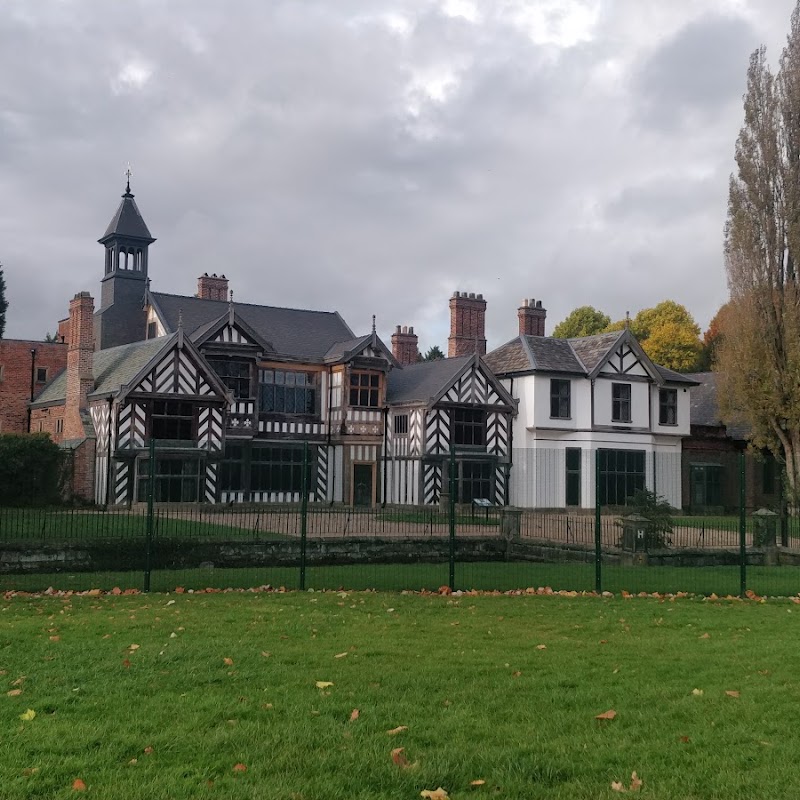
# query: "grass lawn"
{"points": [[43, 525], [156, 697], [772, 581]]}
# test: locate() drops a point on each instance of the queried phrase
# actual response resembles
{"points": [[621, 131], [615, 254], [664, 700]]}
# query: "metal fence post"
{"points": [[452, 509], [742, 530], [148, 555], [598, 528], [304, 517]]}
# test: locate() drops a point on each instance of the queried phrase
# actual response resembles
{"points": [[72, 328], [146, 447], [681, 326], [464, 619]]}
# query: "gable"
{"points": [[177, 372], [231, 334], [623, 361], [475, 386]]}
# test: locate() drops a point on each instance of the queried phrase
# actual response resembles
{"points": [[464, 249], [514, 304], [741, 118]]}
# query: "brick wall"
{"points": [[404, 345], [49, 420], [531, 318], [15, 378], [467, 325]]}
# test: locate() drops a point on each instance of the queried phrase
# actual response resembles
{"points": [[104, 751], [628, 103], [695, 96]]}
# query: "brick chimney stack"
{"points": [[404, 345], [531, 318], [212, 287], [80, 355], [467, 325]]}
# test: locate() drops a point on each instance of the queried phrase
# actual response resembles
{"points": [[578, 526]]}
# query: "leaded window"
{"points": [[177, 480], [172, 419], [469, 427], [287, 392], [365, 389], [234, 374]]}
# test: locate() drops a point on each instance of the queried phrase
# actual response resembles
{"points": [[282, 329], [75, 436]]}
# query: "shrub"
{"points": [[32, 469], [658, 513]]}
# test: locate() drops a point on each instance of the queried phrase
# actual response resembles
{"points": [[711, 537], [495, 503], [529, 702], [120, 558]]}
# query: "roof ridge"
{"points": [[249, 305]]}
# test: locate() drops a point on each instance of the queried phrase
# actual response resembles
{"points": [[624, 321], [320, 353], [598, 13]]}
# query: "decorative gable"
{"points": [[624, 361], [176, 373], [231, 334]]}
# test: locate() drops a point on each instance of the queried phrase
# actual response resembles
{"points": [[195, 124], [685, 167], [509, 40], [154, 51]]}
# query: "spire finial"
{"points": [[373, 323], [230, 308], [627, 320], [180, 319], [128, 174]]}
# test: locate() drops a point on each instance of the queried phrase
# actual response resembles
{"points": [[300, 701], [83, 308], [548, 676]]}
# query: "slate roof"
{"points": [[294, 333], [339, 350], [704, 406], [578, 356], [591, 349], [423, 381], [127, 221], [112, 368]]}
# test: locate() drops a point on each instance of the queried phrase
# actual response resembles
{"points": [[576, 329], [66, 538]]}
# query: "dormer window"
{"points": [[620, 402], [365, 389]]}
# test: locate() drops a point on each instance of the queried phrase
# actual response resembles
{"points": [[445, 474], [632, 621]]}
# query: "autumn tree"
{"points": [[759, 355], [3, 303], [583, 321], [712, 339]]}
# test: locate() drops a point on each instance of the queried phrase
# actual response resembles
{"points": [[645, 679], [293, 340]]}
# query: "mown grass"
{"points": [[503, 576], [504, 690]]}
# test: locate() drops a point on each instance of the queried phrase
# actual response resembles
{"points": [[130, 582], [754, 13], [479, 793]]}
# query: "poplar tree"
{"points": [[759, 353], [3, 303]]}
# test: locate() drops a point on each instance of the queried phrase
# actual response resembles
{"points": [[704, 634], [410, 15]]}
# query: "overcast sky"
{"points": [[373, 156]]}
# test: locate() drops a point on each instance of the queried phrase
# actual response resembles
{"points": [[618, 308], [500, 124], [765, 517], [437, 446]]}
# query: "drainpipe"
{"points": [[33, 383]]}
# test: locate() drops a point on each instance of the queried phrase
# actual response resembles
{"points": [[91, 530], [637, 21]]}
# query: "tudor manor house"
{"points": [[238, 396]]}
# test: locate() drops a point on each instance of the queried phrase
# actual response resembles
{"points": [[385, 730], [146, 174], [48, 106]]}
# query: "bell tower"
{"points": [[121, 318]]}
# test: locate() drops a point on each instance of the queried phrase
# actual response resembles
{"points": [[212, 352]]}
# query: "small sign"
{"points": [[482, 502]]}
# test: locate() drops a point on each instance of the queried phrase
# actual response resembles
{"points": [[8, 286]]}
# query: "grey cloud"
{"points": [[697, 72]]}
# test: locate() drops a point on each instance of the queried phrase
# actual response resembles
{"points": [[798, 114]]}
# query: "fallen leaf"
{"points": [[239, 768], [607, 715], [148, 750], [434, 794], [399, 757], [78, 785], [265, 653], [684, 739], [134, 647], [340, 655], [55, 638], [14, 692], [354, 715], [516, 674], [732, 693], [398, 729], [617, 786], [133, 762], [636, 782], [18, 681], [28, 715], [126, 664], [228, 662], [706, 636], [697, 692], [323, 684], [478, 782], [30, 771], [541, 647]]}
